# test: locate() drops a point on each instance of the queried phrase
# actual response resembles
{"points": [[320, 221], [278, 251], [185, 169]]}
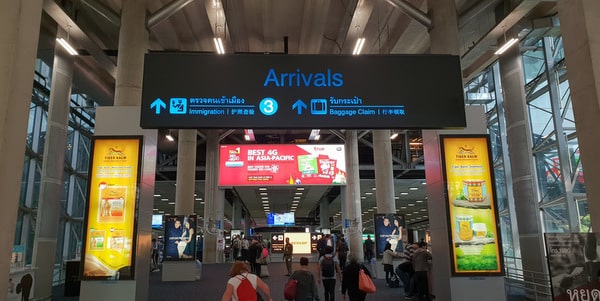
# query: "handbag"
{"points": [[365, 283], [289, 291]]}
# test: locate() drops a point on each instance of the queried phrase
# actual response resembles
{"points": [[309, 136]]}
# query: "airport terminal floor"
{"points": [[214, 279]]}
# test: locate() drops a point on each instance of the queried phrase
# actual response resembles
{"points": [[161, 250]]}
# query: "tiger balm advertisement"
{"points": [[109, 243], [471, 202]]}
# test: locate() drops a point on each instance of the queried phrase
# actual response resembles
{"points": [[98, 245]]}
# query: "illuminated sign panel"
{"points": [[282, 164], [300, 241], [192, 90], [109, 245], [472, 211]]}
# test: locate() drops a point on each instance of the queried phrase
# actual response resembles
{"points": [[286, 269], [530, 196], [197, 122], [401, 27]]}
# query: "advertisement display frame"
{"points": [[112, 198], [389, 232], [174, 236], [471, 205], [573, 265]]}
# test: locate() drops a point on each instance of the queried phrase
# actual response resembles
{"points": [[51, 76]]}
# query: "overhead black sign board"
{"points": [[193, 90]]}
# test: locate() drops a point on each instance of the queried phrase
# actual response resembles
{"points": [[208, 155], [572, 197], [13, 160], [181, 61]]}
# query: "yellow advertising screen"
{"points": [[109, 236], [472, 205], [300, 241]]}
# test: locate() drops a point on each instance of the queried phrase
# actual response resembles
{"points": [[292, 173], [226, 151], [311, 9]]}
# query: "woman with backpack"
{"points": [[243, 286], [327, 268]]}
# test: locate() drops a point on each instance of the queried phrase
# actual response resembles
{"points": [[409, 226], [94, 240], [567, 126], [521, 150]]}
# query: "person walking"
{"points": [[342, 251], [350, 279], [327, 268], [369, 249], [243, 286], [288, 252], [155, 255], [306, 288], [254, 253]]}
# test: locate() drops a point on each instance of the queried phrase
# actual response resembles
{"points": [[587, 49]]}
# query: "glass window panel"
{"points": [[585, 223], [533, 65], [540, 113], [19, 227], [79, 197], [60, 237], [42, 137], [83, 154], [554, 219]]}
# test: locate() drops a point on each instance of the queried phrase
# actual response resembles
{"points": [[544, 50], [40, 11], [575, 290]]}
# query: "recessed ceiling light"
{"points": [[374, 188], [403, 193], [202, 203], [262, 188], [264, 193], [265, 202], [363, 197], [297, 198], [411, 204], [157, 195], [299, 188], [198, 199], [403, 207], [423, 209], [264, 197], [368, 193], [171, 203], [396, 197], [419, 201], [413, 188], [423, 183], [164, 199], [154, 209], [298, 193]]}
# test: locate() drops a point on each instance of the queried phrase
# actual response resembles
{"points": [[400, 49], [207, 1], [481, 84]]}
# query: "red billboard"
{"points": [[282, 164]]}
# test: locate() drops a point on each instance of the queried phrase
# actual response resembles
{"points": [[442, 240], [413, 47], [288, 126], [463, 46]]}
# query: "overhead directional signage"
{"points": [[193, 90]]}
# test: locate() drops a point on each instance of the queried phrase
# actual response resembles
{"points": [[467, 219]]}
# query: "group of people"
{"points": [[413, 270], [330, 268], [249, 251]]}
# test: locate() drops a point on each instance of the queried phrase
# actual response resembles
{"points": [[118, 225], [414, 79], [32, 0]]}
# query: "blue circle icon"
{"points": [[268, 106]]}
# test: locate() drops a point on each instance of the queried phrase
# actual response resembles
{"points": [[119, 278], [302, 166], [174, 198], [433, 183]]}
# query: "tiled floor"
{"points": [[214, 278]]}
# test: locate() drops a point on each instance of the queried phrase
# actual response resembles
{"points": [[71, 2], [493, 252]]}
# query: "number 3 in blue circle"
{"points": [[268, 106]]}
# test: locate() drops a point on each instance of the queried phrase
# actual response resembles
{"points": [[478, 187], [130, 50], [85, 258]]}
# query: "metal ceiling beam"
{"points": [[104, 11], [78, 36], [412, 12], [166, 11]]}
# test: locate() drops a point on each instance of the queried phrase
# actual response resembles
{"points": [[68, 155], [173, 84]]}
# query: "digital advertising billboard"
{"points": [[300, 241], [389, 228], [109, 245], [180, 238], [282, 164], [471, 202]]}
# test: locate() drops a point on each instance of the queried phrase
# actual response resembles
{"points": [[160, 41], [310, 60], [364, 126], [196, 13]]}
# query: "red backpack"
{"points": [[245, 291]]}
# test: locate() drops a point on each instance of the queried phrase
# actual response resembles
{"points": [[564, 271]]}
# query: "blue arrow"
{"points": [[299, 104], [157, 104]]}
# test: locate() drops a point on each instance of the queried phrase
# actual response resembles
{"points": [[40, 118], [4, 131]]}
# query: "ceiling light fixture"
{"points": [[169, 136], [506, 45], [67, 46], [358, 46], [219, 45], [394, 135]]}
